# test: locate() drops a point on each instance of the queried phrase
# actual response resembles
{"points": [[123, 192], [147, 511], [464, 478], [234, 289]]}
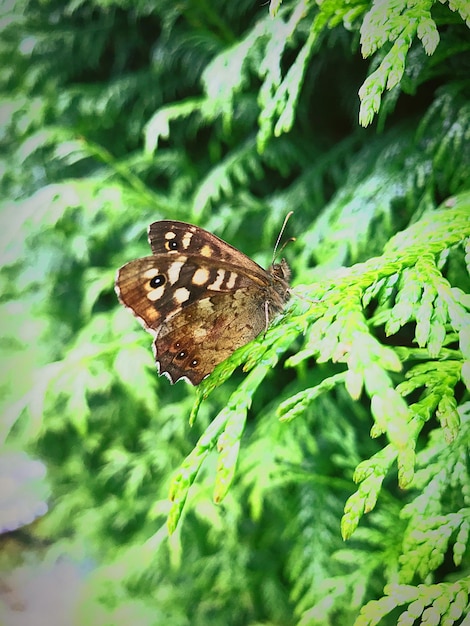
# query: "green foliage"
{"points": [[229, 116], [445, 604]]}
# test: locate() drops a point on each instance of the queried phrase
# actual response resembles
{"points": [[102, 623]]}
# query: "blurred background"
{"points": [[115, 114]]}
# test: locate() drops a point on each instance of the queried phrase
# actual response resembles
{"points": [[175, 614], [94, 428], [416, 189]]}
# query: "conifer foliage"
{"points": [[326, 481]]}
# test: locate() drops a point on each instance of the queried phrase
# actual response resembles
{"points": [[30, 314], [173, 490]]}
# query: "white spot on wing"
{"points": [[175, 270], [187, 239], [151, 273], [201, 276], [232, 280], [156, 294], [181, 295], [218, 281]]}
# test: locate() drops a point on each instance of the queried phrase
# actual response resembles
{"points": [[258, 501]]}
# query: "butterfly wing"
{"points": [[158, 287], [189, 345], [169, 236], [133, 286], [199, 297]]}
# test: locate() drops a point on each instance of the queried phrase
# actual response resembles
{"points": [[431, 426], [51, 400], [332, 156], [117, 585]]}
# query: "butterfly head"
{"points": [[280, 273]]}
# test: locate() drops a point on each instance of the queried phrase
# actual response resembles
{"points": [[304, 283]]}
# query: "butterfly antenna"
{"points": [[275, 252]]}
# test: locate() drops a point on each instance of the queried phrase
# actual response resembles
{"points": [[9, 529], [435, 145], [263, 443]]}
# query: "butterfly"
{"points": [[199, 297]]}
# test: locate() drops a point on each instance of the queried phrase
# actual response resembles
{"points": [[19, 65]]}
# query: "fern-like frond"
{"points": [[399, 23], [396, 22], [444, 603], [463, 9], [342, 334], [236, 170], [434, 521]]}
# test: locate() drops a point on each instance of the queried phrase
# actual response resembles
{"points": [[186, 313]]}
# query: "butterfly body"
{"points": [[199, 297]]}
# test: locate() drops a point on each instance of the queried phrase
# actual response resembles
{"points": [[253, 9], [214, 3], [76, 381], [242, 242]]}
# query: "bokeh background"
{"points": [[356, 116]]}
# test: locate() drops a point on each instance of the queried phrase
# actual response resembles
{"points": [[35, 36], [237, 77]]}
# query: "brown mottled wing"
{"points": [[195, 326], [199, 297], [190, 344], [169, 236], [132, 288], [186, 280]]}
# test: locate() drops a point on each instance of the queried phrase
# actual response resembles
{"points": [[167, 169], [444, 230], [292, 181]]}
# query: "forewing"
{"points": [[158, 287], [171, 237]]}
